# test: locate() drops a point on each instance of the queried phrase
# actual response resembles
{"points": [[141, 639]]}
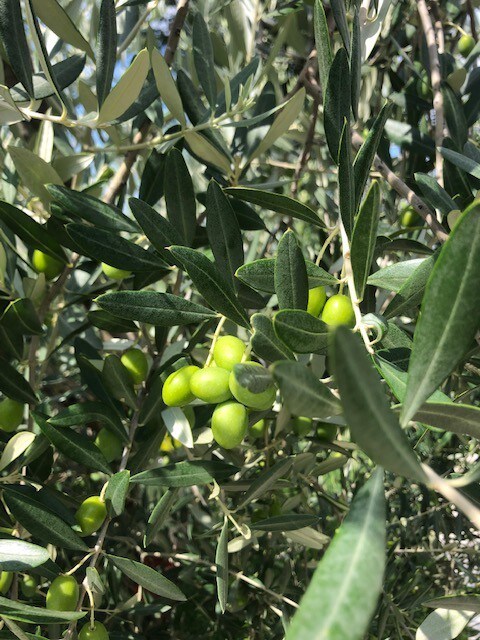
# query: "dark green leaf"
{"points": [[158, 229], [285, 522], [116, 493], [159, 514], [180, 196], [395, 275], [108, 322], [290, 274], [411, 292], [118, 381], [455, 116], [86, 412], [14, 385], [300, 331], [265, 342], [337, 605], [159, 309], [303, 393], [451, 295], [147, 578], [374, 427], [21, 314], [211, 283], [185, 474], [340, 17], [106, 49], [461, 161], [364, 238], [153, 176], [457, 418], [203, 58], [337, 102], [356, 61], [221, 562], [346, 183], [259, 275], [266, 480], [322, 42], [12, 33], [22, 612], [65, 72], [434, 194]]}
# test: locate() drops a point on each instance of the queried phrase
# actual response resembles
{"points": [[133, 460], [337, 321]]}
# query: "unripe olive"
{"points": [[301, 425], [410, 218], [423, 87], [43, 263], [258, 429], [28, 586], [465, 45], [316, 300], [63, 594], [114, 273], [338, 310], [261, 401], [109, 444], [136, 363], [97, 632], [176, 389], [326, 431], [211, 385], [169, 444], [229, 424], [228, 351], [91, 515], [11, 414], [6, 578]]}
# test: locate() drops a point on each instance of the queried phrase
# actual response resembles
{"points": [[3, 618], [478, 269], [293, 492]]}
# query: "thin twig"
{"points": [[307, 148]]}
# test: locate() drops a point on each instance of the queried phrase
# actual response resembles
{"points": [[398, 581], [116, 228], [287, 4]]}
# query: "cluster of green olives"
{"points": [[336, 310], [218, 384]]}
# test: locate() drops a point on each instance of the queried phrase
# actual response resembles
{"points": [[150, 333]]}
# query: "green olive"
{"points": [[114, 273], [91, 515], [257, 430], [423, 87], [229, 424], [28, 586], [136, 363], [228, 351], [11, 414], [211, 385], [338, 310], [326, 431], [301, 425], [109, 444], [410, 218], [6, 578], [261, 401], [465, 45], [316, 300], [176, 389], [43, 263], [97, 632], [63, 594]]}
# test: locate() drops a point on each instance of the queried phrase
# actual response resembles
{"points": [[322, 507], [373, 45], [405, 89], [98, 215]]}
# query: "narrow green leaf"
{"points": [[66, 72], [15, 447], [285, 522], [302, 391], [337, 102], [276, 202], [180, 196], [159, 514], [223, 231], [116, 493], [74, 446], [265, 342], [167, 88], [411, 292], [266, 480], [185, 474], [461, 161], [434, 194], [337, 604], [22, 314], [22, 612], [457, 418], [340, 17], [34, 171], [203, 58], [454, 115], [147, 578], [364, 238], [356, 61], [211, 284], [290, 274], [57, 19], [14, 385], [374, 427], [346, 182], [467, 602], [300, 331], [395, 275], [106, 49], [443, 624], [118, 381], [108, 322], [19, 555], [259, 275], [322, 42], [452, 295], [221, 562], [12, 34], [42, 523], [86, 412], [159, 309], [153, 178], [158, 229]]}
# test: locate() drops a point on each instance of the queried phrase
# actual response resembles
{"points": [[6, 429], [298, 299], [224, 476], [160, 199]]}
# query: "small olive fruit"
{"points": [[97, 632], [109, 444], [176, 389], [258, 429], [43, 263], [11, 414], [410, 218], [465, 45], [6, 578], [423, 87], [338, 310], [229, 424], [136, 363], [228, 351], [316, 300], [169, 444], [63, 594], [301, 425], [326, 431], [211, 385], [254, 391], [114, 273], [28, 586], [91, 514]]}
